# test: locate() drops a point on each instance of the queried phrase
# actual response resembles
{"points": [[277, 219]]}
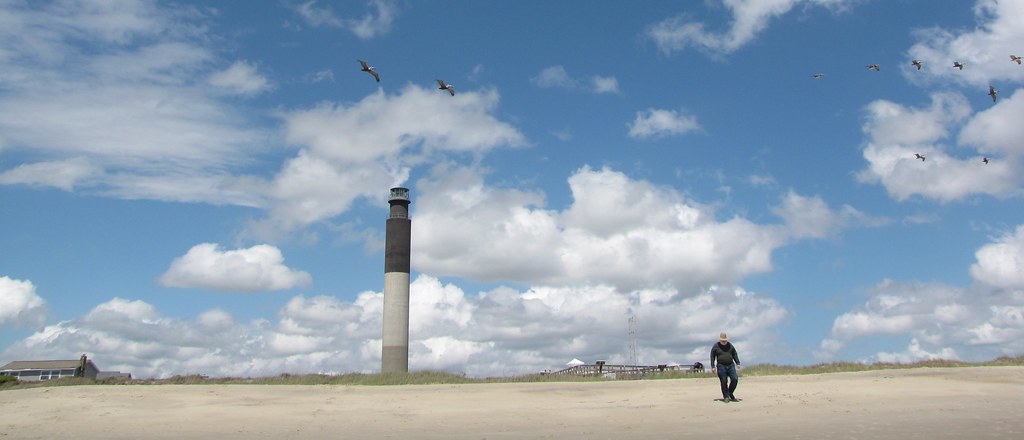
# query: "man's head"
{"points": [[723, 338]]}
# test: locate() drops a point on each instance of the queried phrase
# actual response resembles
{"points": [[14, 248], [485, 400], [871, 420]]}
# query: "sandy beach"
{"points": [[923, 403]]}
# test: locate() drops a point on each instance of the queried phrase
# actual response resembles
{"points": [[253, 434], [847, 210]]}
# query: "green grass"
{"points": [[440, 377]]}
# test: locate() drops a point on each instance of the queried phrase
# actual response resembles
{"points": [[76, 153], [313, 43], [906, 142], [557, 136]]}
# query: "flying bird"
{"points": [[985, 160], [917, 63], [992, 93], [874, 67], [958, 65], [442, 86], [1015, 58], [369, 69], [818, 75], [919, 156]]}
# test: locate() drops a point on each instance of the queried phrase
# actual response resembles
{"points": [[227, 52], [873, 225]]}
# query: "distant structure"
{"points": [[632, 340], [117, 375], [613, 371], [34, 371], [395, 335]]}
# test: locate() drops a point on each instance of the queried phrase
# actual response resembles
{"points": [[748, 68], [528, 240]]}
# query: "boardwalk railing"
{"points": [[624, 371]]}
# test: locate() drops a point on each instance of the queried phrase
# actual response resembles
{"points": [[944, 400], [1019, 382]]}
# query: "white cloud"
{"points": [[19, 303], [811, 217], [353, 151], [380, 126], [941, 320], [656, 123], [896, 133], [371, 25], [985, 50], [320, 76], [996, 131], [762, 180], [749, 18], [63, 174], [127, 118], [554, 76], [915, 353], [807, 216], [605, 84], [240, 78], [498, 332], [316, 16], [257, 268], [557, 76], [617, 231], [1001, 264], [368, 26]]}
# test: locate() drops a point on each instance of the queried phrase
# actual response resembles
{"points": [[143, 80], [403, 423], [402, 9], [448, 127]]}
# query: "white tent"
{"points": [[575, 362]]}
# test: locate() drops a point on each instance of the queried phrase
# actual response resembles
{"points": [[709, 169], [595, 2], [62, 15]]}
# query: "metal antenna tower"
{"points": [[632, 341]]}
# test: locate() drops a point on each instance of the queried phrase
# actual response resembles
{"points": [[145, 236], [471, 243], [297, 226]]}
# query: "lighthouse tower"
{"points": [[395, 348]]}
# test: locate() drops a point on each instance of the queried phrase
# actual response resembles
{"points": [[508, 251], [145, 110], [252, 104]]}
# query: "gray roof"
{"points": [[43, 365]]}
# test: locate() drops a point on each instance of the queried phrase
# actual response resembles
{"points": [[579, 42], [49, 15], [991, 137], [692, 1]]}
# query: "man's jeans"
{"points": [[728, 372]]}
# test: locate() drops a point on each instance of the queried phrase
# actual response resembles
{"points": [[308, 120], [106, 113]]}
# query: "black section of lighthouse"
{"points": [[395, 335]]}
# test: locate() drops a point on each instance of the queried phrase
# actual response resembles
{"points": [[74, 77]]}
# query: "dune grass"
{"points": [[441, 377]]}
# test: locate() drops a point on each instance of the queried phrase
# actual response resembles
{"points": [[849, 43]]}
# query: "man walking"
{"points": [[725, 361]]}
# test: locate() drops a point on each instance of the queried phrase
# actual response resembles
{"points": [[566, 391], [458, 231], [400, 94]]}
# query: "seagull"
{"points": [[1015, 58], [818, 75], [958, 65], [992, 93], [985, 160], [917, 63], [369, 69], [874, 67], [919, 156], [443, 86]]}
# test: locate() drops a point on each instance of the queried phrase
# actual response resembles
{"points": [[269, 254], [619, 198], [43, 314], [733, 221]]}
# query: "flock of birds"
{"points": [[370, 69], [441, 85], [956, 65], [919, 63]]}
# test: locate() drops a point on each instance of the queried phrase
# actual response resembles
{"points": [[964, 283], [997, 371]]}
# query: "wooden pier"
{"points": [[626, 371]]}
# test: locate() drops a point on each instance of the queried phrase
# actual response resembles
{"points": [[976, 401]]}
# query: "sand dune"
{"points": [[922, 403]]}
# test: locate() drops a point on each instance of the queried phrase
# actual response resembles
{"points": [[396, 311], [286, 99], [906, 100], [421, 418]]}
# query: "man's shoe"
{"points": [[733, 399]]}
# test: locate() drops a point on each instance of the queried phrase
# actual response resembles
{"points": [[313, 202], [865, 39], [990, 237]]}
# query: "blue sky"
{"points": [[202, 188]]}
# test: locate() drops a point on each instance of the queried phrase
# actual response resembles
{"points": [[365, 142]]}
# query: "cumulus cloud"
{"points": [[749, 18], [19, 303], [368, 26], [240, 78], [127, 119], [352, 151], [148, 115], [984, 50], [617, 231], [995, 131], [656, 123], [896, 133], [811, 217], [943, 321], [498, 332], [257, 268], [1001, 264]]}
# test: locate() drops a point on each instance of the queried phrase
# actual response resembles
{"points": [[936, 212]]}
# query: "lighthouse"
{"points": [[394, 355]]}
